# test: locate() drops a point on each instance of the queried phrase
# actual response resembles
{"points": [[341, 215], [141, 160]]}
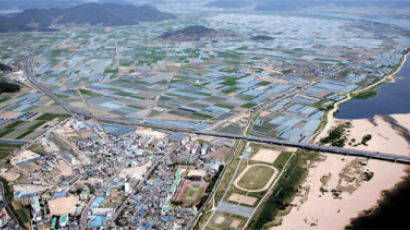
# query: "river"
{"points": [[391, 98], [391, 213]]}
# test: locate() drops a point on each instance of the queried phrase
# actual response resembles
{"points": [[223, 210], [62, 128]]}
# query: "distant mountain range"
{"points": [[108, 14], [38, 4], [267, 5], [229, 4], [63, 4]]}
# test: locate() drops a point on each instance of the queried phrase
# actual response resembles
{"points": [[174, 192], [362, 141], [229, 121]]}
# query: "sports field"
{"points": [[191, 192], [256, 177]]}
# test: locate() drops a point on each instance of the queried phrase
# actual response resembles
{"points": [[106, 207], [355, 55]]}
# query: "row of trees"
{"points": [[6, 87]]}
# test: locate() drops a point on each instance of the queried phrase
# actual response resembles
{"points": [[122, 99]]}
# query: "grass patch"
{"points": [[284, 192], [7, 149], [256, 177], [125, 80], [263, 83], [230, 90], [201, 115], [31, 129], [51, 116], [3, 99], [9, 128], [365, 94], [111, 70], [224, 106], [229, 172], [192, 194], [248, 105], [287, 71], [21, 213], [281, 160], [88, 93], [230, 81], [229, 70]]}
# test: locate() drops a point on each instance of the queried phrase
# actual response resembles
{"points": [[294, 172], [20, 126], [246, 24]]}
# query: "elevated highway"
{"points": [[320, 148]]}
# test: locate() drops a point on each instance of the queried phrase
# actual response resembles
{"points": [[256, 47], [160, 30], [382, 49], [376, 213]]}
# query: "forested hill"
{"points": [[109, 14]]}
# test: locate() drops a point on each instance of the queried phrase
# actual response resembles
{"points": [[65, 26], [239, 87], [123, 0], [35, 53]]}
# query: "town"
{"points": [[63, 171]]}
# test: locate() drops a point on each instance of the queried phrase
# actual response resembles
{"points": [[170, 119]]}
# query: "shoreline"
{"points": [[330, 122], [330, 118], [385, 193], [383, 203], [353, 205], [339, 186]]}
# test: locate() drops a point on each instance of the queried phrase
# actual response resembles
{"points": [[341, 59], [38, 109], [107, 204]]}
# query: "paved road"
{"points": [[327, 149], [134, 191], [314, 147], [8, 208], [28, 70], [320, 148], [84, 214]]}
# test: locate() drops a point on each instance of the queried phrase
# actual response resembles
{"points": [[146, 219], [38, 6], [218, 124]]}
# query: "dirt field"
{"points": [[221, 153], [168, 116], [50, 147], [11, 176], [222, 220], [266, 155], [242, 199], [219, 220], [9, 114], [135, 172], [64, 168], [235, 224], [64, 205]]}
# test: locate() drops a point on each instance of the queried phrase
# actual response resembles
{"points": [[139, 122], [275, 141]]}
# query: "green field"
{"points": [[51, 116], [10, 128], [88, 93], [365, 94], [192, 194], [230, 90], [31, 129], [7, 149], [281, 160], [248, 105], [256, 177], [278, 203]]}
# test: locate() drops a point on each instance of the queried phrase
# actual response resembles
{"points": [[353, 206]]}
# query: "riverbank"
{"points": [[389, 213], [341, 188], [330, 116], [344, 186]]}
